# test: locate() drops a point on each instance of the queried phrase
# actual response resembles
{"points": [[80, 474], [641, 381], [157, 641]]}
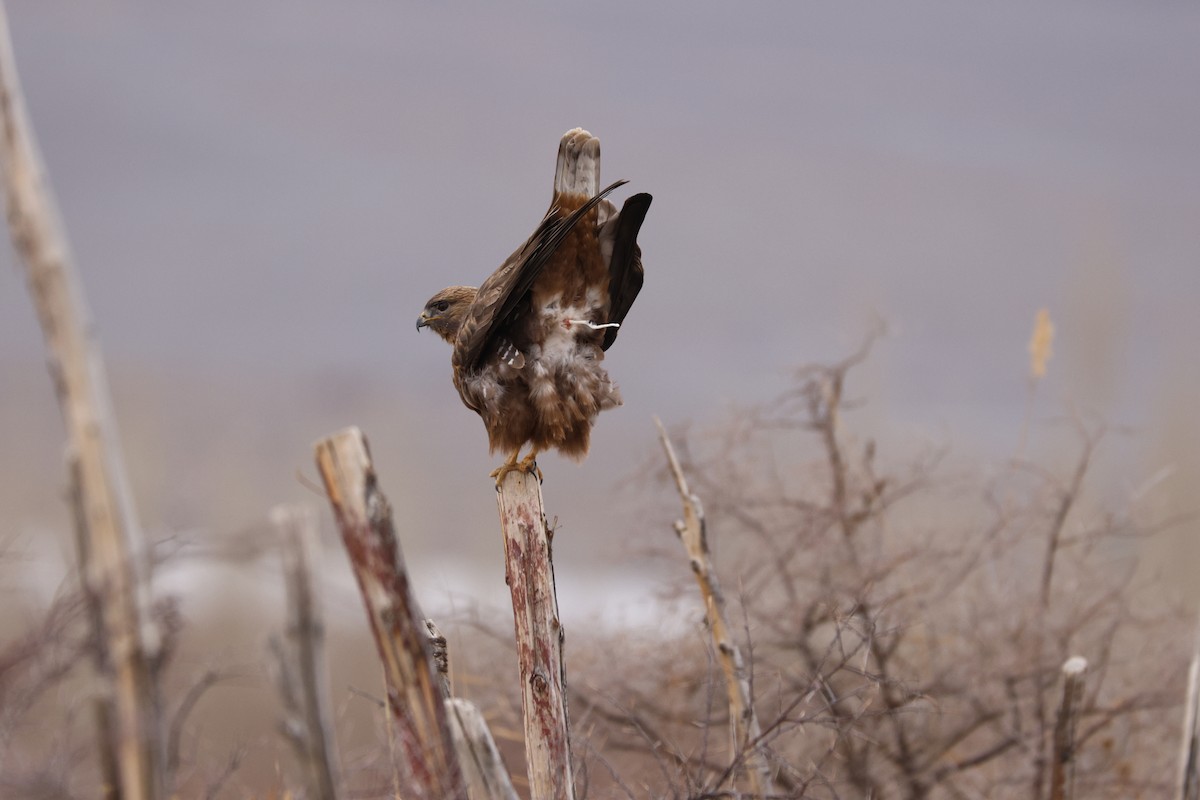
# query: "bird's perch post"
{"points": [[529, 572], [414, 691], [108, 518]]}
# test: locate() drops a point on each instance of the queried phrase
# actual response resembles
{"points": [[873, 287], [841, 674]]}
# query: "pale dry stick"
{"points": [[483, 768], [1062, 771], [430, 769], [487, 777], [102, 705], [302, 663], [529, 572], [79, 377], [745, 731], [1189, 757]]}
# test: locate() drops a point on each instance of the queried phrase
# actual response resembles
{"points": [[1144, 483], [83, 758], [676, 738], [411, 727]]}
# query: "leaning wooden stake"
{"points": [[1189, 757], [301, 655], [529, 572], [415, 699], [745, 732], [1062, 772], [108, 512]]}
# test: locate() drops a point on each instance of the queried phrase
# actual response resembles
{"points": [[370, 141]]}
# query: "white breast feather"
{"points": [[562, 326]]}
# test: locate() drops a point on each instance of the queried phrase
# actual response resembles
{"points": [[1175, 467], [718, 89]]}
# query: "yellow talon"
{"points": [[529, 464], [509, 465]]}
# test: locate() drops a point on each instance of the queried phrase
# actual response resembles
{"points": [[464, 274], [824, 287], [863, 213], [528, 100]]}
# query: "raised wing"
{"points": [[625, 268], [500, 295]]}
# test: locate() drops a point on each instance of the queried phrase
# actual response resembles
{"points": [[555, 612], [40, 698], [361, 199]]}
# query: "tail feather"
{"points": [[578, 170]]}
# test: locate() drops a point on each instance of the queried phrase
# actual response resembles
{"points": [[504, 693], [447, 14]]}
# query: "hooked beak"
{"points": [[423, 320]]}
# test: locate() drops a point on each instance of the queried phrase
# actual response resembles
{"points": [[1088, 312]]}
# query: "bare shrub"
{"points": [[34, 666], [906, 627]]}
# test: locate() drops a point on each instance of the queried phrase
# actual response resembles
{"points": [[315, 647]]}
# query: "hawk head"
{"points": [[446, 310]]}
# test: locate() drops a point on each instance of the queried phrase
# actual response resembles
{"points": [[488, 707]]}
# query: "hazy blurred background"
{"points": [[261, 195]]}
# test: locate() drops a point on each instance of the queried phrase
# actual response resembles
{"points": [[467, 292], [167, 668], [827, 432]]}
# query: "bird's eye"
{"points": [[441, 305]]}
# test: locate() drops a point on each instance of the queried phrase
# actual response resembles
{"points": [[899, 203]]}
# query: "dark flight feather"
{"points": [[625, 268]]}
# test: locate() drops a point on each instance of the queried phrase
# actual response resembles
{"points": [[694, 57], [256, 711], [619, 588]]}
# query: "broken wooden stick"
{"points": [[1062, 770], [483, 768], [303, 681], [487, 777], [430, 769], [529, 572]]}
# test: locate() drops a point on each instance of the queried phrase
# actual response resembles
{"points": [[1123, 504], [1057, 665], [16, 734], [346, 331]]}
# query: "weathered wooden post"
{"points": [[529, 572]]}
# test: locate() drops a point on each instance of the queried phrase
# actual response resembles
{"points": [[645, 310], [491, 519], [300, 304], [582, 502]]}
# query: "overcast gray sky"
{"points": [[262, 194]]}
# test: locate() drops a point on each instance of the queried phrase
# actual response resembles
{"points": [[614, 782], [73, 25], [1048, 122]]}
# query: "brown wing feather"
{"points": [[625, 269], [500, 295]]}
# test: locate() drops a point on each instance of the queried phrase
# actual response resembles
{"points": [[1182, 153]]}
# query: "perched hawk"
{"points": [[528, 343]]}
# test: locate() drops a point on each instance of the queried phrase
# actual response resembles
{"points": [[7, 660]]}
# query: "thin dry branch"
{"points": [[639, 733], [78, 372], [529, 572], [1066, 503], [429, 764], [745, 731], [174, 751]]}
